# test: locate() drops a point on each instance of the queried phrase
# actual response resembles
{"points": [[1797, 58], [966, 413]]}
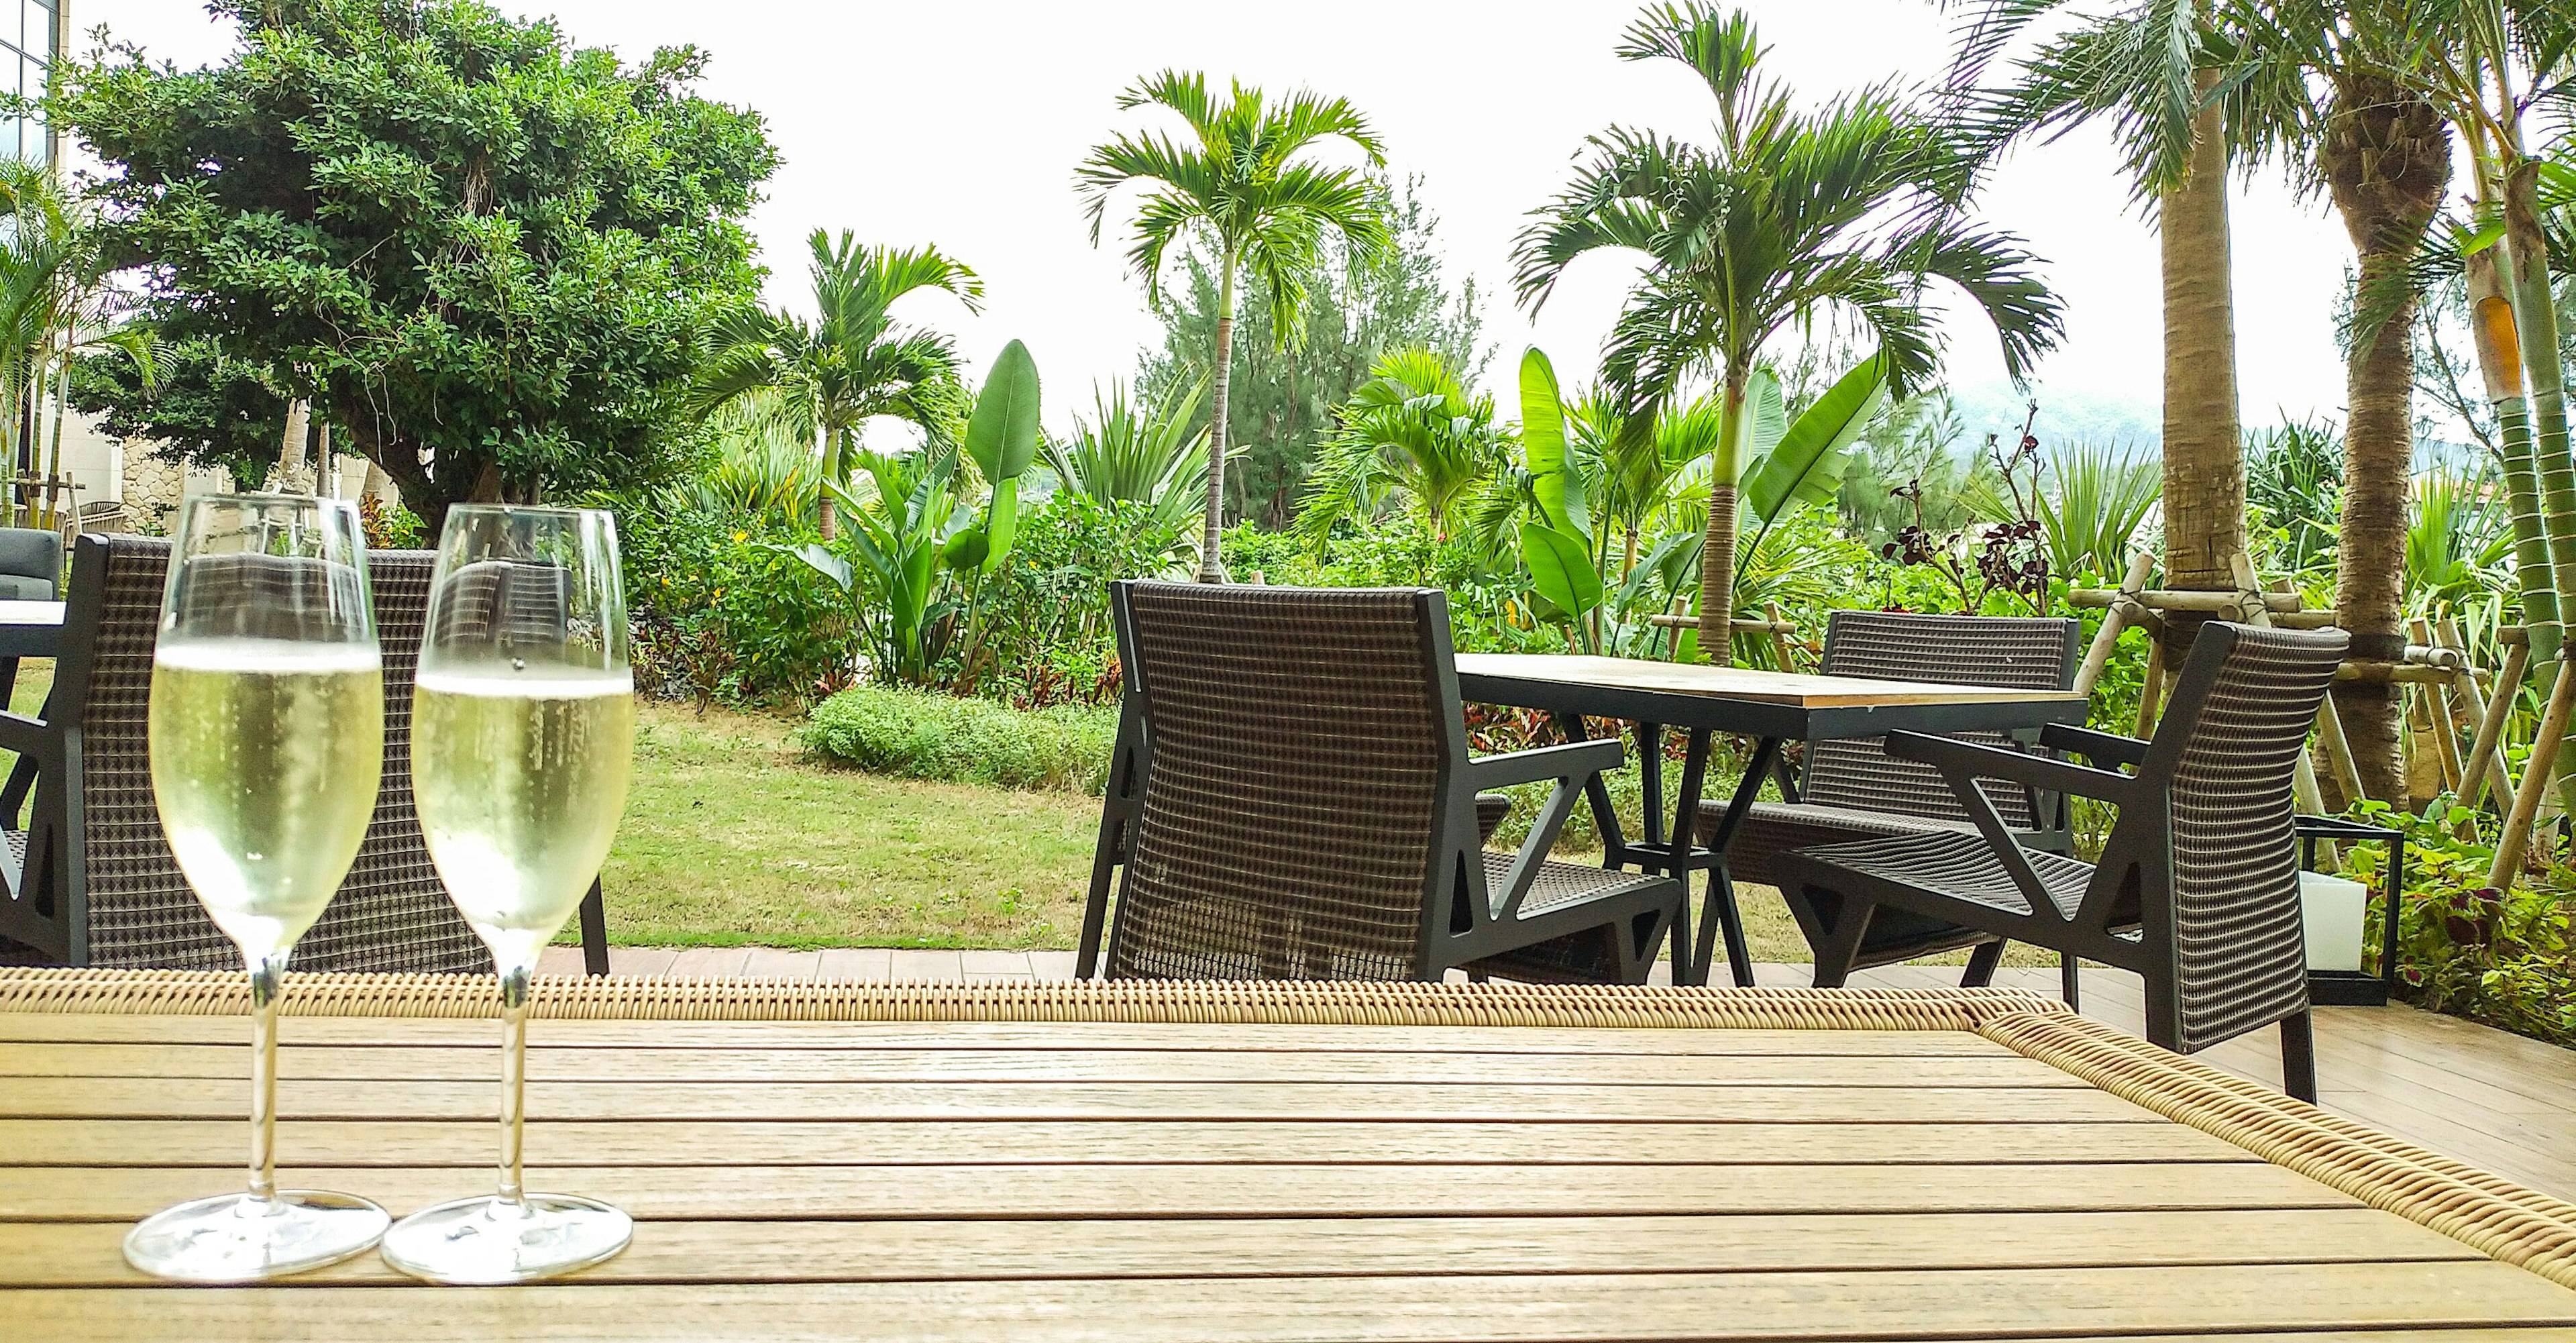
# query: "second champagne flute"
{"points": [[523, 723]]}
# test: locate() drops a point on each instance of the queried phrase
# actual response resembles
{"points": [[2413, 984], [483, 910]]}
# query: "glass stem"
{"points": [[514, 1078], [265, 975]]}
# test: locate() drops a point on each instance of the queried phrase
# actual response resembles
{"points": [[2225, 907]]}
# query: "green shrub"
{"points": [[918, 734], [722, 612]]}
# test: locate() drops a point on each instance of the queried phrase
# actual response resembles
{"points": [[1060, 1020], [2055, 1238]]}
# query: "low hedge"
{"points": [[918, 734]]}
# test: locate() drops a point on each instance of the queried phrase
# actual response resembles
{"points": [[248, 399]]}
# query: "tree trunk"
{"points": [[1717, 545], [827, 518], [2204, 463], [2386, 160], [1211, 566], [290, 450]]}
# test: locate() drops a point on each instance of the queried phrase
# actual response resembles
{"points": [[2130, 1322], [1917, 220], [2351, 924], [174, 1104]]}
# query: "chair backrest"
{"points": [[2019, 652], [31, 564], [390, 915], [2226, 751], [1302, 747]]}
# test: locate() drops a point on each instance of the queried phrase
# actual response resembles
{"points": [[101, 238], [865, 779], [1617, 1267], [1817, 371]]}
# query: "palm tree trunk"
{"points": [[826, 518], [2204, 486], [2370, 563], [2386, 159], [54, 450], [1717, 545], [1211, 568]]}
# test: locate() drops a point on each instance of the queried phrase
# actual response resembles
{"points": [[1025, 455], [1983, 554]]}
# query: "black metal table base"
{"points": [[1675, 851]]}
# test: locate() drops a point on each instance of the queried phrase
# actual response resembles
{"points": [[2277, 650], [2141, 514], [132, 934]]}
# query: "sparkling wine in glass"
{"points": [[267, 731], [523, 725]]}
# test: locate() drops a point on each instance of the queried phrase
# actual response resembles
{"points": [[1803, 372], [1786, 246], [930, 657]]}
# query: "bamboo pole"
{"points": [[2516, 839], [1780, 628], [2432, 716], [2151, 692], [2214, 603], [2486, 763], [2123, 612]]}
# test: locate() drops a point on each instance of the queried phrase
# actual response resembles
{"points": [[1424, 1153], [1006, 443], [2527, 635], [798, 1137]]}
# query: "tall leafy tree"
{"points": [[1844, 211], [853, 363], [489, 256], [1244, 186], [2333, 88], [2148, 67], [1281, 397]]}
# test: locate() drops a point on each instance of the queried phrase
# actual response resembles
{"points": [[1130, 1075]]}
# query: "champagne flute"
{"points": [[523, 723], [267, 733]]}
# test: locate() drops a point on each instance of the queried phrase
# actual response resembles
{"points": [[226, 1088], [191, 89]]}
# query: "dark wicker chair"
{"points": [[1304, 806], [93, 882], [1852, 789], [2197, 889]]}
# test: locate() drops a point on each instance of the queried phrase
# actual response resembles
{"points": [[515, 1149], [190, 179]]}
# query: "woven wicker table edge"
{"points": [[2486, 1212], [612, 997]]}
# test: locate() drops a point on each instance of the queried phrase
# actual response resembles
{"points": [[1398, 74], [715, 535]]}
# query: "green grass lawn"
{"points": [[735, 836]]}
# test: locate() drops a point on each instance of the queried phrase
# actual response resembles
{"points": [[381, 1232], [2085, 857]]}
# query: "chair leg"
{"points": [[1981, 965], [1835, 955], [594, 930], [2299, 1057], [2069, 986]]}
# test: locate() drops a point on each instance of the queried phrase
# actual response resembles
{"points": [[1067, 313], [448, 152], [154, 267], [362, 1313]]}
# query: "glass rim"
{"points": [[531, 510]]}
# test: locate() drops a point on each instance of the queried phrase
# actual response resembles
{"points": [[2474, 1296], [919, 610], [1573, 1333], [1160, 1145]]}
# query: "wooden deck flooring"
{"points": [[2487, 1097]]}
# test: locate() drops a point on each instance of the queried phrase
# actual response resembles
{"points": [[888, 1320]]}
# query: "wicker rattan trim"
{"points": [[205, 993], [2494, 1216]]}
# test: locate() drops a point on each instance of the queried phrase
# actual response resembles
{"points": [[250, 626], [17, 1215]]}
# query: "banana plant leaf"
{"points": [[1560, 567], [1002, 432], [1555, 485], [1805, 464]]}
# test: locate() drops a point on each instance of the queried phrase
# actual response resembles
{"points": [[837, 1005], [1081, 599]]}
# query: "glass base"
{"points": [[484, 1240], [237, 1238]]}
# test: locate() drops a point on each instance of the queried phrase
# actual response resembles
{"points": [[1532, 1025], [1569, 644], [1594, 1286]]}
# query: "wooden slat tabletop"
{"points": [[1794, 689], [1273, 1176]]}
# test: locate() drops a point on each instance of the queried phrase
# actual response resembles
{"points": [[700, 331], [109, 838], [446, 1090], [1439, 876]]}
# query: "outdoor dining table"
{"points": [[1769, 707], [27, 630], [1262, 1161]]}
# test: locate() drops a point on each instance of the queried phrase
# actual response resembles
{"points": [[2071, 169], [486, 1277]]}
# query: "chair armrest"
{"points": [[2102, 748], [1994, 762], [1566, 760]]}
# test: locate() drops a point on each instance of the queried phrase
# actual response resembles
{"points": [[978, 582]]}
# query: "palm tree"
{"points": [[54, 307], [2334, 89], [1636, 480], [1245, 186], [1415, 428], [1844, 211], [853, 363], [2149, 68]]}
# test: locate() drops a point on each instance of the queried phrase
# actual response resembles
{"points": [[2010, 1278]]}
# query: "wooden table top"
{"points": [[1247, 1164], [1743, 683]]}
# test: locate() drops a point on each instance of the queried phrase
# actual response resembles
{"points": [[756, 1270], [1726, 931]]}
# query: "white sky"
{"points": [[960, 124]]}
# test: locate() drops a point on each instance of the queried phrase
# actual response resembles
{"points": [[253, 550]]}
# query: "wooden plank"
{"points": [[82, 1193], [88, 1254], [548, 1064], [1741, 683], [1879, 1305], [968, 1035], [406, 1142], [201, 1098]]}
